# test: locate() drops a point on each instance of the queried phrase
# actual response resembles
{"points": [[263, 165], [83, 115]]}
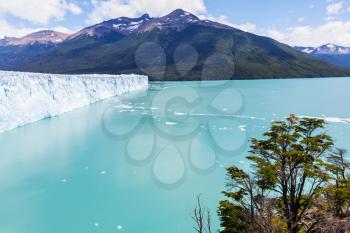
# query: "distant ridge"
{"points": [[110, 47], [331, 53], [40, 37]]}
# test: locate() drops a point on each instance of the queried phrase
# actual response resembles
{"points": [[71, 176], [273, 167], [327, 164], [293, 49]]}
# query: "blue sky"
{"points": [[297, 22]]}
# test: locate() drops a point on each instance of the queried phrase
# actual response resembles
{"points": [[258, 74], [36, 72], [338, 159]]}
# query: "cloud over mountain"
{"points": [[39, 11]]}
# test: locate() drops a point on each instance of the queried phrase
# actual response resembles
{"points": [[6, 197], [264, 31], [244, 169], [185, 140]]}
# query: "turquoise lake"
{"points": [[136, 163]]}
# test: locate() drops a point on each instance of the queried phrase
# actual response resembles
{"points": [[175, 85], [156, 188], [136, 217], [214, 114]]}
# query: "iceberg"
{"points": [[29, 97]]}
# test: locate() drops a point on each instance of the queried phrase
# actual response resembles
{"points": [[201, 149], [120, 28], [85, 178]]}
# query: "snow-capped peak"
{"points": [[177, 19], [327, 49], [332, 49], [123, 25]]}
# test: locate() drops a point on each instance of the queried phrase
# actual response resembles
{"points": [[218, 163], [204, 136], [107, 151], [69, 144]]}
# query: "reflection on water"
{"points": [[136, 163]]}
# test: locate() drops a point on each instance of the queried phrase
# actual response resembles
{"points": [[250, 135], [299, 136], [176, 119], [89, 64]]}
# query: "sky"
{"points": [[295, 22]]}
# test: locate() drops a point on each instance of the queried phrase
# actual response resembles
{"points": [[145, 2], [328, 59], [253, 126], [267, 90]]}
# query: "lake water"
{"points": [[136, 163]]}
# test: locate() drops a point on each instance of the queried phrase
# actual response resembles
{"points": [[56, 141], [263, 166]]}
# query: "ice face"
{"points": [[29, 97]]}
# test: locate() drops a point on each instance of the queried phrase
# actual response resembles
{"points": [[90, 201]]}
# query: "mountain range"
{"points": [[41, 37], [331, 53], [177, 46]]}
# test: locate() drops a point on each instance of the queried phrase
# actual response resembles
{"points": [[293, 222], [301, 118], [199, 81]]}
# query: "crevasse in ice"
{"points": [[29, 97]]}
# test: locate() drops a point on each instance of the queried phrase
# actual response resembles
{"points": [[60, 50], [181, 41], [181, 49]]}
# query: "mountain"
{"points": [[40, 37], [331, 53], [16, 51], [178, 46], [178, 20], [327, 49]]}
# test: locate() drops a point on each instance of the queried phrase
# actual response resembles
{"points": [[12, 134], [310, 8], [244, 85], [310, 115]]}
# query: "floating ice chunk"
{"points": [[170, 123], [180, 113], [242, 128]]}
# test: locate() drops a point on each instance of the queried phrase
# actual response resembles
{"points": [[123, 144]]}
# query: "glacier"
{"points": [[29, 97]]}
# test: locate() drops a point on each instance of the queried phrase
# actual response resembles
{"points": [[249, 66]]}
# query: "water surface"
{"points": [[136, 163]]}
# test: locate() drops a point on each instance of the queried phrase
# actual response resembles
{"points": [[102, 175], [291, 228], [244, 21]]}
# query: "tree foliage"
{"points": [[338, 191], [291, 172]]}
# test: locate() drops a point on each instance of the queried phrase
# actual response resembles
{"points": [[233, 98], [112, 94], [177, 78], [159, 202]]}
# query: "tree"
{"points": [[202, 218], [233, 218], [290, 172], [338, 192], [247, 208]]}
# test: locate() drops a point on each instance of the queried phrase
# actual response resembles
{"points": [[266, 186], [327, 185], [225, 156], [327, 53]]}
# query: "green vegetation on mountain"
{"points": [[253, 56]]}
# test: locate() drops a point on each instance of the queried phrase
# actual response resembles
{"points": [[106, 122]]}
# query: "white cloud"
{"points": [[19, 31], [108, 9], [63, 29], [334, 8], [275, 34], [337, 32], [247, 27], [11, 31], [330, 18], [38, 11], [74, 8]]}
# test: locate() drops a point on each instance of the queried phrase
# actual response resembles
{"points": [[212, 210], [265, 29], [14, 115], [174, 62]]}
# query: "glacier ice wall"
{"points": [[29, 97]]}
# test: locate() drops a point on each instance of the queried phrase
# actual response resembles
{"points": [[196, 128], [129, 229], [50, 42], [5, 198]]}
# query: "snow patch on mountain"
{"points": [[29, 97], [307, 50]]}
